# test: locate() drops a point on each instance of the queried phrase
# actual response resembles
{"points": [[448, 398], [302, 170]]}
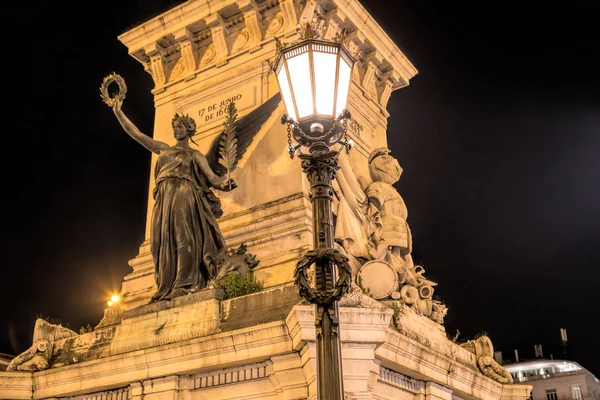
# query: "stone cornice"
{"points": [[409, 357], [18, 384], [198, 35], [386, 48], [166, 23]]}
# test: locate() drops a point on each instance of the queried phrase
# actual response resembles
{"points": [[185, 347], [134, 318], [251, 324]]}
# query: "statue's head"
{"points": [[383, 167], [183, 126]]}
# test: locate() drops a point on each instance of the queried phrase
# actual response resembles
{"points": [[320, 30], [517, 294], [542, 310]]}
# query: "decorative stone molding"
{"points": [[516, 392], [181, 43], [219, 42], [209, 55], [275, 25], [368, 81], [241, 41], [287, 376], [116, 394], [386, 92], [309, 11], [189, 49], [156, 54], [334, 29], [399, 353], [400, 381], [231, 375], [252, 19], [288, 12]]}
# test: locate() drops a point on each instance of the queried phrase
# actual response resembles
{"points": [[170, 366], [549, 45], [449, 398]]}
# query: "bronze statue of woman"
{"points": [[186, 242]]}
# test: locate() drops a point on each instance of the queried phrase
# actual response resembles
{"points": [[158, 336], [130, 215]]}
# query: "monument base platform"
{"points": [[259, 346]]}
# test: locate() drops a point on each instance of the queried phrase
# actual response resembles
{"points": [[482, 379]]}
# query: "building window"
{"points": [[551, 394], [576, 392]]}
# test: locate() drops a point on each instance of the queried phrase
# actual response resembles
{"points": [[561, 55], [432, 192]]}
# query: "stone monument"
{"points": [[192, 336]]}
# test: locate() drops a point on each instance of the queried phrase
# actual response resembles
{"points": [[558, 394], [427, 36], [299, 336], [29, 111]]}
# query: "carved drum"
{"points": [[378, 278]]}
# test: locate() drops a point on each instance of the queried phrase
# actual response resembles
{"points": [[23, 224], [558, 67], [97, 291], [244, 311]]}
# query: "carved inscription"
{"points": [[216, 110], [210, 111], [355, 127]]}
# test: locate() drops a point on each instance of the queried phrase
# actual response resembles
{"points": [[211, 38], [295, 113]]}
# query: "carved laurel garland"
{"points": [[323, 297]]}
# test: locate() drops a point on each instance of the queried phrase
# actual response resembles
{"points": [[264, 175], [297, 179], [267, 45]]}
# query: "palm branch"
{"points": [[228, 142]]}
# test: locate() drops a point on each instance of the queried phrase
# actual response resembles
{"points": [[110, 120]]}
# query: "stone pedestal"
{"points": [[203, 347]]}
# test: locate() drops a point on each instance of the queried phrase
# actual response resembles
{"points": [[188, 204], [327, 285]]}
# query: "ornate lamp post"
{"points": [[314, 78]]}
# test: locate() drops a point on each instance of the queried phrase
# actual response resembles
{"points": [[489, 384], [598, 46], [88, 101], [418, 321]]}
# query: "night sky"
{"points": [[498, 135]]}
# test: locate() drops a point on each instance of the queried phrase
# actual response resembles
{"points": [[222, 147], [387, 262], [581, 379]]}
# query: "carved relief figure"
{"points": [[383, 197], [353, 226], [372, 219], [371, 229], [483, 349], [39, 356], [186, 242]]}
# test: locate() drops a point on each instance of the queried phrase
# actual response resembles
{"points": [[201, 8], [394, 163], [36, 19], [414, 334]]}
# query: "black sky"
{"points": [[498, 135]]}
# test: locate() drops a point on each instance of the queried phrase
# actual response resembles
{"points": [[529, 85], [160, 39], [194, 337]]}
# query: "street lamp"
{"points": [[314, 78]]}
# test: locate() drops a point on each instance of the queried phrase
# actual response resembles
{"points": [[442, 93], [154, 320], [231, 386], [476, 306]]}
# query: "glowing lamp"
{"points": [[314, 78], [113, 300]]}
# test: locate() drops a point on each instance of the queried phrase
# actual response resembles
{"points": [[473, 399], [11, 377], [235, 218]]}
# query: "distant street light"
{"points": [[113, 300]]}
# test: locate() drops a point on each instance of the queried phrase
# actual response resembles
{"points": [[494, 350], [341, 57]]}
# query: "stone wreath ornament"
{"points": [[320, 256], [113, 78]]}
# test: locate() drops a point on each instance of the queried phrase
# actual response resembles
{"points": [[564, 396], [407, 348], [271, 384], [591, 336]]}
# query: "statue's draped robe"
{"points": [[353, 227], [186, 242], [394, 213]]}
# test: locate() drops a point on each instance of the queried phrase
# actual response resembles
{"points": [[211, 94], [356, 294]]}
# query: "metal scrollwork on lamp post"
{"points": [[314, 78]]}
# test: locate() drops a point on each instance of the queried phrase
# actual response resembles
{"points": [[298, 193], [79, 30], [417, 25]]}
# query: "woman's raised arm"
{"points": [[154, 146]]}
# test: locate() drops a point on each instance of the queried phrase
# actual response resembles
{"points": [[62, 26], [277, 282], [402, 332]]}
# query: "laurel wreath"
{"points": [[113, 78], [323, 297]]}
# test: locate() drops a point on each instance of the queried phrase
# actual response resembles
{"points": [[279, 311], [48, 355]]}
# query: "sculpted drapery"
{"points": [[185, 240]]}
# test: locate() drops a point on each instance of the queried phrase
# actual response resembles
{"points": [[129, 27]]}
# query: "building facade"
{"points": [[556, 380]]}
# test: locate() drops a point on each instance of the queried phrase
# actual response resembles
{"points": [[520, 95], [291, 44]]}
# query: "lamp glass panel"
{"points": [[325, 65], [284, 85], [343, 85], [299, 68]]}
